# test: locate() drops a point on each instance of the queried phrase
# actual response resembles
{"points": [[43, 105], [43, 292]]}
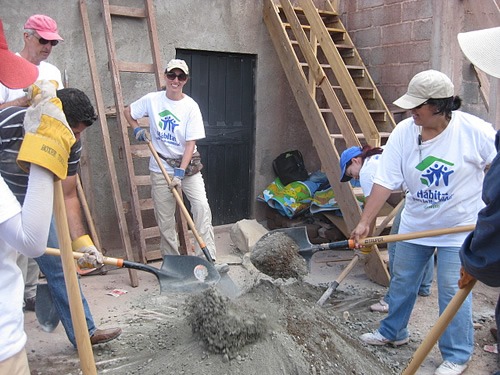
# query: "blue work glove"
{"points": [[177, 180], [141, 134]]}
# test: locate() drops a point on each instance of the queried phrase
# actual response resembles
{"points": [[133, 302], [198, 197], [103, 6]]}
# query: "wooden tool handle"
{"points": [[412, 235], [84, 347], [76, 255], [438, 329], [334, 284]]}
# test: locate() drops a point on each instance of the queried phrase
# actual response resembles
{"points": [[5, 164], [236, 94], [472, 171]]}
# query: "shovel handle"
{"points": [[369, 241], [181, 204], [76, 255]]}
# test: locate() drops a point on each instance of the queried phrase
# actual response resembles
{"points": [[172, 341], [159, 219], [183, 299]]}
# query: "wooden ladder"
{"points": [[338, 100], [122, 223], [135, 154]]}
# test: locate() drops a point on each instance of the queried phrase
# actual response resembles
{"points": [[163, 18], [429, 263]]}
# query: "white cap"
{"points": [[177, 64], [482, 48], [429, 84]]}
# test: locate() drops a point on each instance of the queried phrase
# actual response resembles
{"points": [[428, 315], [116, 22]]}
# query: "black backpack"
{"points": [[289, 166]]}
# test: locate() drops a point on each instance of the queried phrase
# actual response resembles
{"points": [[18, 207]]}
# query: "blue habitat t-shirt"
{"points": [[443, 175]]}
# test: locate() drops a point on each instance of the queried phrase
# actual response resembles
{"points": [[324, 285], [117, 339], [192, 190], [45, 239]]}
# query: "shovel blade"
{"points": [[45, 310], [181, 273]]}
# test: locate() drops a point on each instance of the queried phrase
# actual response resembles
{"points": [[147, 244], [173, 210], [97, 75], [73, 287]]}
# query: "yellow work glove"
{"points": [[362, 252], [92, 257], [48, 137]]}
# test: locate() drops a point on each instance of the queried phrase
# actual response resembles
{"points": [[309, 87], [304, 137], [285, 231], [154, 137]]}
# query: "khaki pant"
{"points": [[164, 207], [16, 365]]}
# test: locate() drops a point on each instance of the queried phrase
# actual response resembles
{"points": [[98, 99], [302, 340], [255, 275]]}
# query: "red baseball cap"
{"points": [[15, 71], [45, 26]]}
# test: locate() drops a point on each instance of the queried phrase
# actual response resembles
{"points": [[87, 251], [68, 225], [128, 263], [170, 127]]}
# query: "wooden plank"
{"points": [[122, 222]]}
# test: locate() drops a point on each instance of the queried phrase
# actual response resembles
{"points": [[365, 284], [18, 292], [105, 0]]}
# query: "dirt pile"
{"points": [[223, 326], [277, 255]]}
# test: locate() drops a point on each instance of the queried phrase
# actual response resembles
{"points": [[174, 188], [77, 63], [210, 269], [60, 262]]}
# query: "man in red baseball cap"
{"points": [[40, 36], [15, 72]]}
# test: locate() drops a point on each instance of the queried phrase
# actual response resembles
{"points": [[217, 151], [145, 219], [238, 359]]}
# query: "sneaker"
{"points": [[376, 338], [380, 306], [450, 368]]}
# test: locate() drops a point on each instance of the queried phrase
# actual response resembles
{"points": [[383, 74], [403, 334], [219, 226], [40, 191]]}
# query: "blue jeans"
{"points": [[410, 260], [425, 286], [51, 266]]}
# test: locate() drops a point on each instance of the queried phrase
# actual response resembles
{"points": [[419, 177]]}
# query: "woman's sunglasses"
{"points": [[45, 41], [181, 76]]}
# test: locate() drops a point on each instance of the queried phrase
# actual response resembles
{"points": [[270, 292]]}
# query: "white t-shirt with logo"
{"points": [[172, 123], [45, 71], [443, 176], [367, 173]]}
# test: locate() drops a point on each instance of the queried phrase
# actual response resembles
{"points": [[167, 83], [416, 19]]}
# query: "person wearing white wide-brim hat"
{"points": [[480, 254], [482, 48]]}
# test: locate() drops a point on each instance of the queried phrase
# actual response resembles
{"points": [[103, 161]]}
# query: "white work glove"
{"points": [[142, 134], [178, 177], [92, 257]]}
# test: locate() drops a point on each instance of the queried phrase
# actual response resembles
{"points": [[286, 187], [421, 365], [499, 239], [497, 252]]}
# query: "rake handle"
{"points": [[334, 284]]}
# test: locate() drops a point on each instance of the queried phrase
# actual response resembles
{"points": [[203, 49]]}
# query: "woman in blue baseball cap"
{"points": [[361, 163]]}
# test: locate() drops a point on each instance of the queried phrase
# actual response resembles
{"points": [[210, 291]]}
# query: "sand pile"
{"points": [[224, 327], [277, 255]]}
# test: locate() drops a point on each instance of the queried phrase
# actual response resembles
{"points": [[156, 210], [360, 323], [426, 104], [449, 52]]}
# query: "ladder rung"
{"points": [[141, 180], [140, 150], [360, 135], [133, 67], [151, 232], [146, 204], [117, 10]]}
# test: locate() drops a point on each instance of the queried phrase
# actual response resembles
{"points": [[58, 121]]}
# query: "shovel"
{"points": [[307, 249], [226, 284], [178, 273]]}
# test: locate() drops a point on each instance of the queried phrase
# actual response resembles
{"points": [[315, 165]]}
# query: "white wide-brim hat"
{"points": [[482, 48]]}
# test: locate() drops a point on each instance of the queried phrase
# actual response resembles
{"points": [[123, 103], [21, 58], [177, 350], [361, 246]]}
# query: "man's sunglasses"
{"points": [[45, 41], [181, 76]]}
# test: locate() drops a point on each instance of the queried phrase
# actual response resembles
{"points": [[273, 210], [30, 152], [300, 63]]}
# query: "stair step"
{"points": [[331, 30], [323, 13], [360, 135]]}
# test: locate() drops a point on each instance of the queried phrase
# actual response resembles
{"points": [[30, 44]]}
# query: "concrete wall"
{"points": [[396, 39], [216, 25], [399, 38]]}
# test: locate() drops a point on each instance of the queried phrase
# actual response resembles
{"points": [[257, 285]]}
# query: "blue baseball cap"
{"points": [[346, 157]]}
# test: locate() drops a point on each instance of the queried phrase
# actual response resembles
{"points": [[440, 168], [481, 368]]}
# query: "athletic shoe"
{"points": [[375, 338], [450, 368], [380, 306]]}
